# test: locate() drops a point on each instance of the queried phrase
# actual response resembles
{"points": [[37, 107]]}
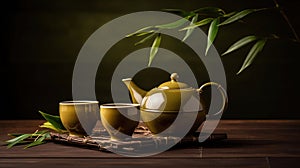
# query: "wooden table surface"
{"points": [[250, 143]]}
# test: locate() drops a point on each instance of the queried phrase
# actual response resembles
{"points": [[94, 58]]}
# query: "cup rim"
{"points": [[119, 105], [73, 102]]}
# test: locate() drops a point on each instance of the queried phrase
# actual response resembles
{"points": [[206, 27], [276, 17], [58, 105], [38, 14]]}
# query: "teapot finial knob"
{"points": [[174, 77]]}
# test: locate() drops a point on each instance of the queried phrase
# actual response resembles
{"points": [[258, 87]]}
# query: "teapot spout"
{"points": [[137, 94]]}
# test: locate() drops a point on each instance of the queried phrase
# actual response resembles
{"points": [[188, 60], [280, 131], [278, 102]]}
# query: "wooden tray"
{"points": [[141, 139]]}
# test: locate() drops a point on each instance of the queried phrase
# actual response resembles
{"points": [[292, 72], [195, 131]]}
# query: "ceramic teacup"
{"points": [[120, 119], [79, 117]]}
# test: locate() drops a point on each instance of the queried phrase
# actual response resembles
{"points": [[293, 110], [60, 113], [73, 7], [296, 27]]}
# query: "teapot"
{"points": [[160, 107]]}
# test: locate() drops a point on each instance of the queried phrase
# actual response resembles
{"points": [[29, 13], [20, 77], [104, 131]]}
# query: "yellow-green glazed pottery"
{"points": [[168, 108], [79, 117], [120, 119]]}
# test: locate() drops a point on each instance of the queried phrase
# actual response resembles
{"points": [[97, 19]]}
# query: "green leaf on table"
{"points": [[38, 133], [145, 39], [16, 140], [35, 143], [154, 48], [15, 134], [212, 33], [242, 42], [38, 136], [39, 140], [50, 126], [197, 24], [54, 120], [238, 16], [190, 31], [173, 25], [33, 134], [257, 47], [46, 133], [142, 30]]}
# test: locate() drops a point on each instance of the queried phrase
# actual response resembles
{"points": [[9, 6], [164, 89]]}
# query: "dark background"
{"points": [[40, 41]]}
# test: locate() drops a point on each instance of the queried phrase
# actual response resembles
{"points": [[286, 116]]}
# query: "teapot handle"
{"points": [[222, 91]]}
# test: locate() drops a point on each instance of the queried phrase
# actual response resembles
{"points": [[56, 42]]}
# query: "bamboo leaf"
{"points": [[15, 134], [209, 10], [190, 31], [197, 24], [145, 33], [257, 47], [54, 120], [17, 140], [145, 39], [39, 141], [238, 16], [177, 11], [48, 136], [154, 48], [35, 143], [242, 42], [142, 30], [173, 25], [39, 136], [19, 143], [212, 33], [32, 135], [22, 136], [229, 14], [38, 133], [50, 126]]}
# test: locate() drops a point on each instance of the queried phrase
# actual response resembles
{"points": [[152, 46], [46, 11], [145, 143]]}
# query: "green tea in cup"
{"points": [[120, 119], [79, 117]]}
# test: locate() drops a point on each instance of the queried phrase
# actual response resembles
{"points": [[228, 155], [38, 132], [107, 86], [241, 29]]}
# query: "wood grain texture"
{"points": [[250, 143], [145, 163]]}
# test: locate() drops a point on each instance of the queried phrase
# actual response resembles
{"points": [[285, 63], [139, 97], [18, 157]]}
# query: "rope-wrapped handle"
{"points": [[222, 91]]}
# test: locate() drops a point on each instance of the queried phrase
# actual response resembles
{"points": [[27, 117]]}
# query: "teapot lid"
{"points": [[172, 96], [173, 84]]}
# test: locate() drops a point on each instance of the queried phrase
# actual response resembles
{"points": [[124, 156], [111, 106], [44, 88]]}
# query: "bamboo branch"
{"points": [[287, 21]]}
